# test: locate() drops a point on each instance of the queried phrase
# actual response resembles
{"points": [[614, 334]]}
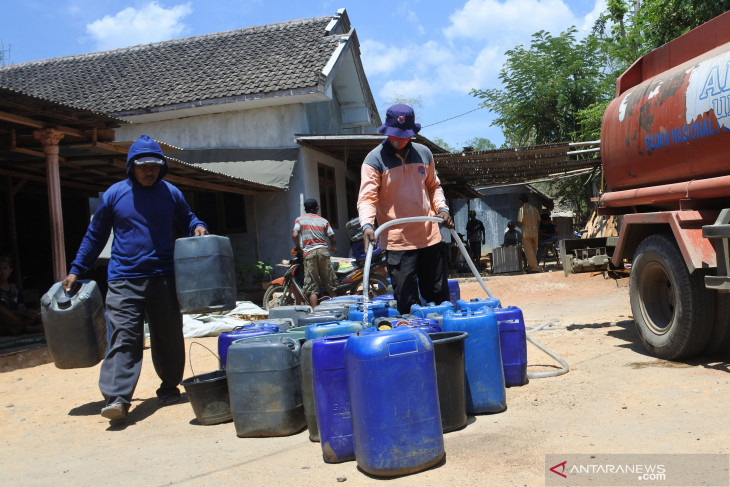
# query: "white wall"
{"points": [[268, 127], [270, 216]]}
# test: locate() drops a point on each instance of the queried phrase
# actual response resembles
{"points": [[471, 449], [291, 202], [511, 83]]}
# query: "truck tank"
{"points": [[670, 120], [664, 141]]}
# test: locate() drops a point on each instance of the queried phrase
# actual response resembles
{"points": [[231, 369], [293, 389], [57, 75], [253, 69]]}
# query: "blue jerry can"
{"points": [[485, 389], [391, 379], [332, 401]]}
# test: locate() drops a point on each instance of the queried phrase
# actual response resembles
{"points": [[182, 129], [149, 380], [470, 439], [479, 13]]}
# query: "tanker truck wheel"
{"points": [[719, 341], [672, 309]]}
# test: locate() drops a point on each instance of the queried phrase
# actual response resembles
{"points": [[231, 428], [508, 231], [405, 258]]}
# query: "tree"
{"points": [[443, 144], [480, 143], [545, 87], [477, 143]]}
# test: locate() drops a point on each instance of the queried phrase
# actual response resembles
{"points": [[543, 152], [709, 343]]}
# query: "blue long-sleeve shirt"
{"points": [[144, 220]]}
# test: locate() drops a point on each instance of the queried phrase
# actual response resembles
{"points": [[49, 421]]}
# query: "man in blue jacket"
{"points": [[143, 211]]}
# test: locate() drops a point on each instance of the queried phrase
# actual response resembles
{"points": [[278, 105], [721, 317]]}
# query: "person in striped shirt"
{"points": [[310, 236]]}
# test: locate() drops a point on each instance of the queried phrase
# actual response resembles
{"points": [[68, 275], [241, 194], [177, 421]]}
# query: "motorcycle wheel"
{"points": [[378, 285], [277, 295]]}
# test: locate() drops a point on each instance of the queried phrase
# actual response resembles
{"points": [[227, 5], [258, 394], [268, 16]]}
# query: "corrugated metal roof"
{"points": [[510, 166]]}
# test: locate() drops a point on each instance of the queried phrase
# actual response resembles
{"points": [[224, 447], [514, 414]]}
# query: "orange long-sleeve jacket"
{"points": [[393, 187]]}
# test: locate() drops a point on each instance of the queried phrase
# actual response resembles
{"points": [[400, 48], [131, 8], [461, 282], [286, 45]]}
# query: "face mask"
{"points": [[397, 143]]}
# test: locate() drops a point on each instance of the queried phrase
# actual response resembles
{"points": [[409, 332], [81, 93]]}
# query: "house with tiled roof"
{"points": [[248, 103]]}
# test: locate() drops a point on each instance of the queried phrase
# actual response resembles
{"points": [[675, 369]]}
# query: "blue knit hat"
{"points": [[400, 121]]}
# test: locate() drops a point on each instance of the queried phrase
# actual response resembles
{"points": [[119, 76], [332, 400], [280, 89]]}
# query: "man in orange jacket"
{"points": [[398, 180]]}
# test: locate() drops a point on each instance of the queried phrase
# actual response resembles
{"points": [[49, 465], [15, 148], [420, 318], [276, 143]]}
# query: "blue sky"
{"points": [[431, 51]]}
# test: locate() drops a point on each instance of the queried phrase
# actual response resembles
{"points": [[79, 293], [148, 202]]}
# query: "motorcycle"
{"points": [[287, 290]]}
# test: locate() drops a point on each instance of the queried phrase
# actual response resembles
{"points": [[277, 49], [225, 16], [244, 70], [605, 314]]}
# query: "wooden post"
{"points": [[50, 139]]}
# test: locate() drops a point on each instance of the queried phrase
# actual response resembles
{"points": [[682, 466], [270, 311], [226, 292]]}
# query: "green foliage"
{"points": [[628, 29], [661, 21], [477, 143], [574, 191], [480, 143], [557, 89], [258, 271], [545, 87], [443, 144]]}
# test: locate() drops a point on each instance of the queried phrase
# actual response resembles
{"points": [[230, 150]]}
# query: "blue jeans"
{"points": [[541, 245]]}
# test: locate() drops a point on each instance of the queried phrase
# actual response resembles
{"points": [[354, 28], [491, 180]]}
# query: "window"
{"points": [[328, 194], [222, 212]]}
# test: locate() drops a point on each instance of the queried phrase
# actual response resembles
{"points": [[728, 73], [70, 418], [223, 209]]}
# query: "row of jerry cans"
{"points": [[261, 363], [511, 326], [333, 365]]}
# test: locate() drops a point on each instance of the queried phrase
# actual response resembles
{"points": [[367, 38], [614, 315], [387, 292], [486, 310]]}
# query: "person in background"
{"points": [[512, 235], [14, 317], [476, 236], [546, 233], [142, 210], [398, 180], [310, 236], [527, 220]]}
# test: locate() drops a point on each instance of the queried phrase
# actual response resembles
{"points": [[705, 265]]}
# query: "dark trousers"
{"points": [[476, 250], [127, 304], [424, 268]]}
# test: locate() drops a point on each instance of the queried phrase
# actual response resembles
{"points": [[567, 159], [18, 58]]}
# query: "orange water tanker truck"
{"points": [[665, 149]]}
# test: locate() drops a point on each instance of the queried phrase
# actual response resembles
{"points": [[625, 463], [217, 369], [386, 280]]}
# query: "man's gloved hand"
{"points": [[368, 235]]}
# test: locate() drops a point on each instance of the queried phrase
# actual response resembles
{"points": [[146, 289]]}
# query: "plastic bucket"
{"points": [[448, 347], [208, 395]]}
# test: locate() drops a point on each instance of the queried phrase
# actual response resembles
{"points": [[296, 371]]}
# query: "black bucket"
{"points": [[448, 347], [208, 394]]}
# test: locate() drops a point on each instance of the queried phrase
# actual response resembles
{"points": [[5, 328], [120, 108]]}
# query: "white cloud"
{"points": [[590, 18], [150, 23], [471, 53], [509, 23], [379, 58]]}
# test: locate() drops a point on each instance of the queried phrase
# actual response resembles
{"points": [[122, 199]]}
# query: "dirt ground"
{"points": [[614, 399]]}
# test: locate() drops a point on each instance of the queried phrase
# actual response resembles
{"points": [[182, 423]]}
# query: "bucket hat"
{"points": [[400, 122]]}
